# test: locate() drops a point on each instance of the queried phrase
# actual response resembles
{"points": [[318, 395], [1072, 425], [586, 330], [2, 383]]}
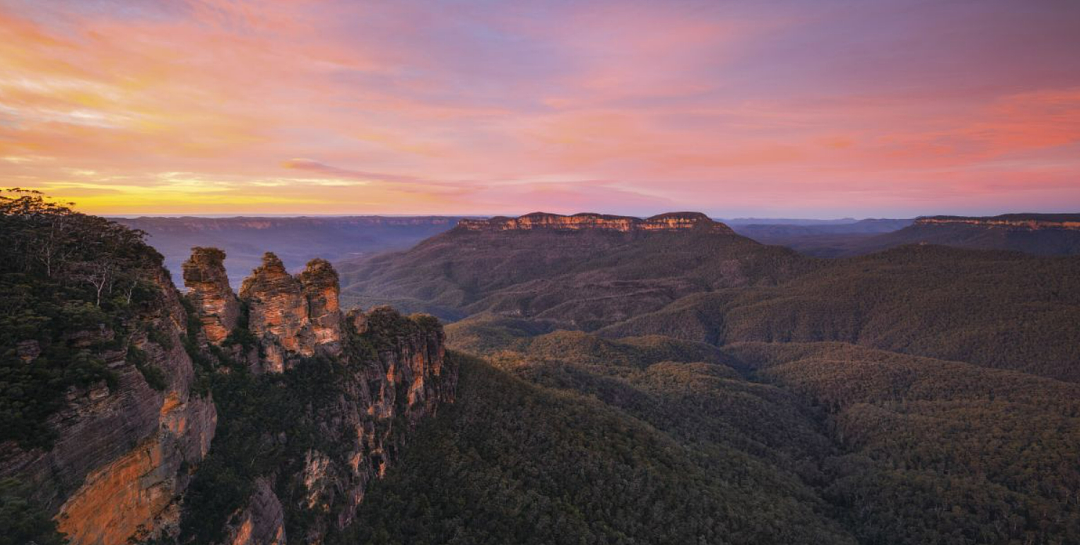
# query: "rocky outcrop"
{"points": [[397, 374], [380, 374], [123, 451], [320, 285], [411, 361], [278, 314], [1029, 222], [673, 221], [292, 316], [262, 522], [407, 381], [210, 293]]}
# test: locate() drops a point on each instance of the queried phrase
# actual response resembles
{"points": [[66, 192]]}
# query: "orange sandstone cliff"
{"points": [[123, 451], [209, 292], [378, 373], [672, 221], [129, 453], [293, 316]]}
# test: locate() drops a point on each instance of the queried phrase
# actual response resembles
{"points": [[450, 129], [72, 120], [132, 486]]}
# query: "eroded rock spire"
{"points": [[293, 316], [210, 293]]}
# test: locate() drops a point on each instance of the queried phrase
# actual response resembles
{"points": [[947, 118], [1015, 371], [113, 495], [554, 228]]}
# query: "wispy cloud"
{"points": [[467, 107]]}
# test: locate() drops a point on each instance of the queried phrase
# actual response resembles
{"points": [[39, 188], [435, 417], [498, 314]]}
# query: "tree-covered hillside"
{"points": [[574, 279], [859, 445], [998, 309], [518, 462], [70, 286]]}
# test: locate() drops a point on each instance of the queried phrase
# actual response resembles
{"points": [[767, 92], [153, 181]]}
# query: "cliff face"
{"points": [[120, 461], [394, 374], [320, 286], [674, 221], [312, 408], [292, 317], [1019, 223], [210, 293], [353, 387]]}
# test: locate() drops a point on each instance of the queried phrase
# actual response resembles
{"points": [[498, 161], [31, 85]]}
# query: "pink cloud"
{"points": [[868, 110]]}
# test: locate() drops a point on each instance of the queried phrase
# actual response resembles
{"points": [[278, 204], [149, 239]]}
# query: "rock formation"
{"points": [[128, 449], [262, 522], [321, 290], [292, 316], [119, 463], [210, 293], [397, 375], [392, 372], [1033, 222], [673, 221]]}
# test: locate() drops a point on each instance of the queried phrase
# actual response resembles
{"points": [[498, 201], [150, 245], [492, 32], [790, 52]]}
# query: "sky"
{"points": [[797, 108]]}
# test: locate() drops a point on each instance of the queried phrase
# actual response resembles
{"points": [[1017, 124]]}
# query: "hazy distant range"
{"points": [[296, 240]]}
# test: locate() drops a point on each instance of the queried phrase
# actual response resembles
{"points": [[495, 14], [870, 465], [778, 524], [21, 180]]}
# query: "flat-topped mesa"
{"points": [[210, 293], [282, 308], [1025, 222], [672, 221]]}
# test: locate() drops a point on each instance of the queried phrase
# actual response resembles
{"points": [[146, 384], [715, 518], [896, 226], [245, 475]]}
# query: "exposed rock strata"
{"points": [[1017, 223], [321, 290], [210, 293], [394, 374], [126, 453], [292, 316], [262, 522], [118, 464], [397, 375], [674, 221]]}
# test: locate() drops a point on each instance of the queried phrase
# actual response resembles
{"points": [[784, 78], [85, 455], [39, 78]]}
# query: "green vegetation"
{"points": [[575, 280], [269, 423], [23, 522], [995, 309], [153, 375], [71, 286], [513, 462], [728, 392], [936, 451], [859, 444], [266, 424], [892, 447]]}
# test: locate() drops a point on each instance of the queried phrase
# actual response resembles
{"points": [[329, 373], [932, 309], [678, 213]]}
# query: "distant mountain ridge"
{"points": [[296, 240], [1039, 234], [583, 271], [720, 287], [1010, 221], [672, 221], [824, 239]]}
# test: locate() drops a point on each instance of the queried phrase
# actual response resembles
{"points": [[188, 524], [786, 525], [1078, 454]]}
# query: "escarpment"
{"points": [[672, 221], [207, 417], [120, 461], [323, 409], [1026, 222]]}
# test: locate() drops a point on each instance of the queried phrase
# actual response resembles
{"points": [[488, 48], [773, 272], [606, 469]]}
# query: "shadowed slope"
{"points": [[581, 278]]}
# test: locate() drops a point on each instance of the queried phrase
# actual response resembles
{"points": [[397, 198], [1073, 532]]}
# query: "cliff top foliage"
{"points": [[70, 285], [1011, 217]]}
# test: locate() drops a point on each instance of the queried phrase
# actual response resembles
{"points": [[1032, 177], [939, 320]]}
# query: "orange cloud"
{"points": [[415, 107]]}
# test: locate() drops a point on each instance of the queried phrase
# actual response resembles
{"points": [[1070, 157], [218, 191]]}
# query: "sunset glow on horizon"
{"points": [[789, 108]]}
